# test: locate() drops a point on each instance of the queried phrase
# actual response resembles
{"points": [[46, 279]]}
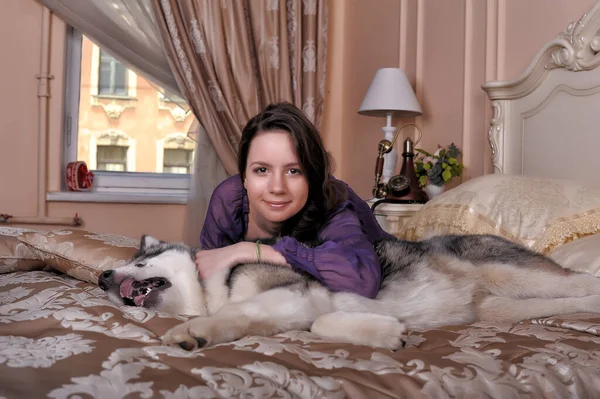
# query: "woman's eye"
{"points": [[261, 170], [295, 171]]}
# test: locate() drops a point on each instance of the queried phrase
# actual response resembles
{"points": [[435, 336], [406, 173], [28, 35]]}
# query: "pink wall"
{"points": [[19, 106], [20, 135], [448, 48]]}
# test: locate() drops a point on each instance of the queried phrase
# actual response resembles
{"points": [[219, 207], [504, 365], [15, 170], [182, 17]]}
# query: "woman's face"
{"points": [[276, 185]]}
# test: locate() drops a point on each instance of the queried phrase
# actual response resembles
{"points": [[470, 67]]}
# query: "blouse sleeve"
{"points": [[224, 221], [346, 259]]}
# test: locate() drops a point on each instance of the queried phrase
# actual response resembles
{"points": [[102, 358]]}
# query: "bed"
{"points": [[61, 338]]}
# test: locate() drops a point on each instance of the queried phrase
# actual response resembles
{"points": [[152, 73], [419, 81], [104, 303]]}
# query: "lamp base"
{"points": [[390, 160]]}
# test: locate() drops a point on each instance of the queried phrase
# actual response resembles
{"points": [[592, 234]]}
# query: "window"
{"points": [[111, 150], [178, 160], [111, 157], [112, 76], [120, 125], [175, 154]]}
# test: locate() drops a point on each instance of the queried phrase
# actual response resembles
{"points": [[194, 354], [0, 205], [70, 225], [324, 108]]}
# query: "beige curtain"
{"points": [[233, 57]]}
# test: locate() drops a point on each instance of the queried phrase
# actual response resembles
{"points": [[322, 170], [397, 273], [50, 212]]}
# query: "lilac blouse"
{"points": [[345, 261]]}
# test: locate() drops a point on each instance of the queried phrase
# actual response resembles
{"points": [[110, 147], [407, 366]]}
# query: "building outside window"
{"points": [[178, 160], [112, 158], [112, 76]]}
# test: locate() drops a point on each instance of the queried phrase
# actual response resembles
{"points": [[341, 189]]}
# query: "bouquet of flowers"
{"points": [[438, 168]]}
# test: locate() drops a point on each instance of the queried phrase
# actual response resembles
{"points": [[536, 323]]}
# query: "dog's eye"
{"points": [[140, 264]]}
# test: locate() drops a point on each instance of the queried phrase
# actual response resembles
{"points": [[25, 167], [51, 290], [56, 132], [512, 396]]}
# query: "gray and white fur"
{"points": [[445, 280]]}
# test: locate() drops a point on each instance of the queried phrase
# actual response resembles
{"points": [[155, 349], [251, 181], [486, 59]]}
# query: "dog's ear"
{"points": [[148, 241]]}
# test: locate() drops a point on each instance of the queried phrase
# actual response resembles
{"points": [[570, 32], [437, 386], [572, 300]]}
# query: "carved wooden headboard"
{"points": [[547, 122]]}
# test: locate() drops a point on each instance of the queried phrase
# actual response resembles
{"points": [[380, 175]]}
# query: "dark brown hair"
{"points": [[324, 193]]}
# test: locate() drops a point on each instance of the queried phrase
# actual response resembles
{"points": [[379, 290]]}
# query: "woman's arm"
{"points": [[223, 228], [213, 260], [224, 220], [346, 259]]}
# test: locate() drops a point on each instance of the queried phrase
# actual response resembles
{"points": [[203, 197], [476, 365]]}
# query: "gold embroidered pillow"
{"points": [[14, 255], [81, 254], [539, 213]]}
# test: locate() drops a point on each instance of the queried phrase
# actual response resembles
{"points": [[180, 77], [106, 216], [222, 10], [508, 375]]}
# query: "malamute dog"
{"points": [[444, 280]]}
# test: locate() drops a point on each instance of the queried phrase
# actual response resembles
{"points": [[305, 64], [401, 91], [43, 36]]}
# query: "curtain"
{"points": [[126, 29], [208, 173], [232, 58]]}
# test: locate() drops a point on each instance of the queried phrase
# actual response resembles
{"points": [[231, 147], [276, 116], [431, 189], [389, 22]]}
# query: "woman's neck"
{"points": [[258, 227]]}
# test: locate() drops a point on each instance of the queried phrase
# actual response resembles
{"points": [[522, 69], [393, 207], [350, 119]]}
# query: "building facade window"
{"points": [[178, 160], [112, 76], [112, 158], [112, 151], [175, 154]]}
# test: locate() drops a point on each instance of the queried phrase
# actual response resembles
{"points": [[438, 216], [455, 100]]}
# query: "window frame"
{"points": [[149, 187]]}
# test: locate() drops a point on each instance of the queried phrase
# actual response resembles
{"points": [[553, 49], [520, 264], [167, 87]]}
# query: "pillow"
{"points": [[14, 255], [582, 255], [81, 254], [537, 212]]}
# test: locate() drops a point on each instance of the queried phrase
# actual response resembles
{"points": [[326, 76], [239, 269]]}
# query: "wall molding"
{"points": [[420, 51], [492, 66]]}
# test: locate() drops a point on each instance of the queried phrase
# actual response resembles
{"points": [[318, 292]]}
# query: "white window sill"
{"points": [[155, 197]]}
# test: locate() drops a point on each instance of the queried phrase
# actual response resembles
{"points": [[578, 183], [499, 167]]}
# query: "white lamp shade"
{"points": [[390, 92]]}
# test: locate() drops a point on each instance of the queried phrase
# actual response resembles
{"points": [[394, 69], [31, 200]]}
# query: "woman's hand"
{"points": [[209, 261]]}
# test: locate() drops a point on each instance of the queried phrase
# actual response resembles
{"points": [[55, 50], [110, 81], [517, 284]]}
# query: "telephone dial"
{"points": [[403, 188]]}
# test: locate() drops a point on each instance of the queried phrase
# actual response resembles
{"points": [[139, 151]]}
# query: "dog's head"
{"points": [[160, 276]]}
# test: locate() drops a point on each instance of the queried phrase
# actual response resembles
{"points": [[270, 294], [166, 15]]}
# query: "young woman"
{"points": [[284, 189]]}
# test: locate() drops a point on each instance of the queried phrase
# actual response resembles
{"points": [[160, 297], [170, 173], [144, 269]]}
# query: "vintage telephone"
{"points": [[403, 188]]}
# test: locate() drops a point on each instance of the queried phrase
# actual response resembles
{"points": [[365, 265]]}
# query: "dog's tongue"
{"points": [[131, 289], [139, 300], [126, 289]]}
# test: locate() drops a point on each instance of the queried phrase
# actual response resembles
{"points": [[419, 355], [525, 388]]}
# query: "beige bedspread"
{"points": [[61, 338]]}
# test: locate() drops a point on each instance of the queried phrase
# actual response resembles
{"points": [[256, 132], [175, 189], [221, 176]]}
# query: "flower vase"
{"points": [[433, 191]]}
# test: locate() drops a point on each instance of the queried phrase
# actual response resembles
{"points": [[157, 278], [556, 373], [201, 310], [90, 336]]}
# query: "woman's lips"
{"points": [[276, 204]]}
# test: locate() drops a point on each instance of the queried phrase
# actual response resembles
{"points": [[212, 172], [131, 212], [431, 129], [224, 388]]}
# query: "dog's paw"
{"points": [[392, 337], [385, 332], [363, 329], [189, 335]]}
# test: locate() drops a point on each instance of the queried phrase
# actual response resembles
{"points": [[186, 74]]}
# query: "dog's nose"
{"points": [[105, 280]]}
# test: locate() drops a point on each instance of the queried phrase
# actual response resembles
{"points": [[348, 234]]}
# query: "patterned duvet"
{"points": [[61, 338]]}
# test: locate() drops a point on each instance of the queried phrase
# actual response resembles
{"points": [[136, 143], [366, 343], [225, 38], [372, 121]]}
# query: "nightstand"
{"points": [[391, 217]]}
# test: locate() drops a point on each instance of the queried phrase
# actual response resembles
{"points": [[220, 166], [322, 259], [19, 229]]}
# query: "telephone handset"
{"points": [[396, 185], [402, 188]]}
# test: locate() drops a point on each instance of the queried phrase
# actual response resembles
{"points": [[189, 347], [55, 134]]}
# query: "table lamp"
{"points": [[390, 94]]}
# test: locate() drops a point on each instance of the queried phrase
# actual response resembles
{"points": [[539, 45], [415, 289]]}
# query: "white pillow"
{"points": [[582, 255]]}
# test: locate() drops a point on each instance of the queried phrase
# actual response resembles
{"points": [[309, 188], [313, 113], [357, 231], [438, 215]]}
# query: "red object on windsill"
{"points": [[78, 177]]}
